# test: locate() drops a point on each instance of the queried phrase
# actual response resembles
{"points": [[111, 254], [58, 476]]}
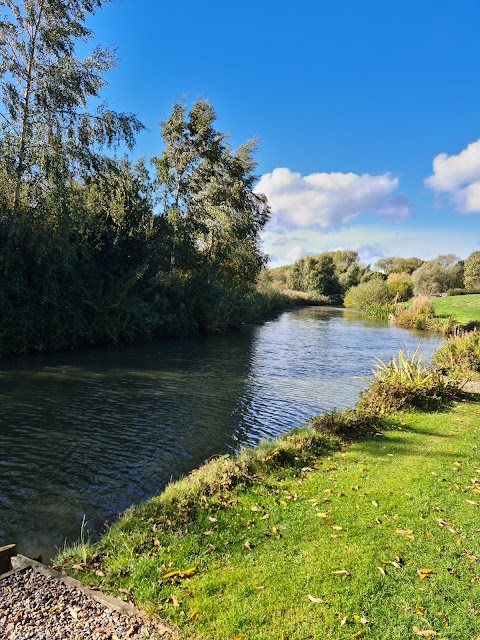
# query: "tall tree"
{"points": [[49, 125], [206, 194]]}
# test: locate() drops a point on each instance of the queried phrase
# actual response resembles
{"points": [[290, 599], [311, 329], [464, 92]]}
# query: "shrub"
{"points": [[366, 294], [459, 355], [348, 423], [463, 292], [417, 315], [404, 382], [379, 311]]}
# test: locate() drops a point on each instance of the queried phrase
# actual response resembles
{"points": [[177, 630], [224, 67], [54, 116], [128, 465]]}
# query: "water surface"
{"points": [[93, 431]]}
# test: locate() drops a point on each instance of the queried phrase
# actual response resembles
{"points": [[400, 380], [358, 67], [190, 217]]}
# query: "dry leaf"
{"points": [[212, 518], [265, 517], [360, 619], [375, 503], [240, 636], [337, 528], [74, 612], [340, 572], [343, 622], [424, 573], [382, 570], [255, 508], [426, 633], [99, 573], [156, 542], [193, 614], [475, 504], [405, 532], [247, 545], [315, 600], [471, 558]]}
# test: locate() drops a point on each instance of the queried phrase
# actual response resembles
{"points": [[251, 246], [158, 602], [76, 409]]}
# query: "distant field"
{"points": [[462, 308]]}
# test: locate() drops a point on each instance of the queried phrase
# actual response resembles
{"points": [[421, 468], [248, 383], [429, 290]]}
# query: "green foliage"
{"points": [[398, 265], [379, 311], [463, 292], [438, 275], [362, 296], [459, 355], [404, 382], [329, 273], [401, 284], [472, 271]]}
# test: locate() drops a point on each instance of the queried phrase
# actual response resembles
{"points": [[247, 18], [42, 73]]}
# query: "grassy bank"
{"points": [[315, 535], [464, 309]]}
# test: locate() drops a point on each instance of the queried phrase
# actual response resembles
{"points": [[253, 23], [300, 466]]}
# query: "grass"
{"points": [[464, 309], [375, 540]]}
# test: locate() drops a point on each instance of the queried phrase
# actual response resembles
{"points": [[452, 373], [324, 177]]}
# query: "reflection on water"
{"points": [[93, 431]]}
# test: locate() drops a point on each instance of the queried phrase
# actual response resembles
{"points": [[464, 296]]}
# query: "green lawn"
{"points": [[462, 308], [379, 540]]}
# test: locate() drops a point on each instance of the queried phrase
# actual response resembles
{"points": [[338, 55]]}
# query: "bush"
{"points": [[404, 383], [463, 292], [379, 311], [459, 355], [420, 315], [348, 423], [366, 294]]}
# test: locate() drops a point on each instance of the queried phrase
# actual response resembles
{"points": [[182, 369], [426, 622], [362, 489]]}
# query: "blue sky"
{"points": [[351, 102]]}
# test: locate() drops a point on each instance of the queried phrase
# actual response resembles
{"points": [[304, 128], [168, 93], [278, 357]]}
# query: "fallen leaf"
{"points": [[212, 518], [343, 622], [188, 572], [340, 572], [405, 532], [475, 504], [283, 503], [360, 619], [74, 612], [471, 558], [193, 614], [354, 635], [337, 528], [247, 545], [99, 573], [315, 600], [424, 573], [375, 503], [382, 570], [426, 633], [265, 517], [419, 610], [255, 508], [156, 542], [240, 636]]}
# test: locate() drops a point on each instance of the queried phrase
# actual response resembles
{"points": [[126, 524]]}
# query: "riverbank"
{"points": [[373, 538]]}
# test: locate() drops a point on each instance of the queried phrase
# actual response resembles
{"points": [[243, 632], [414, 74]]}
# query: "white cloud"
{"points": [[327, 201], [458, 177]]}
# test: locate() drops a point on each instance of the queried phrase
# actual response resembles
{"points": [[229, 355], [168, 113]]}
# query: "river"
{"points": [[92, 431]]}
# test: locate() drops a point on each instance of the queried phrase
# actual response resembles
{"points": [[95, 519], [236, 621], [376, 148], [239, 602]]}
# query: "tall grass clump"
{"points": [[459, 355], [404, 382], [379, 311]]}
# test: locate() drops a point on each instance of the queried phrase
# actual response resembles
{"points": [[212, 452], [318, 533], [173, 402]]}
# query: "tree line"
{"points": [[95, 248], [341, 276]]}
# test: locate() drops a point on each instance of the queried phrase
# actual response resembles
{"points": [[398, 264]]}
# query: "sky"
{"points": [[367, 112]]}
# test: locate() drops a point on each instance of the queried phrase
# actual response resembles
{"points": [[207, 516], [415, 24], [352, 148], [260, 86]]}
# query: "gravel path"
{"points": [[43, 608]]}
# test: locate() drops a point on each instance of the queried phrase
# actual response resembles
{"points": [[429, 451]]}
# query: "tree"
{"points": [[438, 275], [206, 195], [398, 265], [472, 271], [369, 293], [401, 284], [49, 128]]}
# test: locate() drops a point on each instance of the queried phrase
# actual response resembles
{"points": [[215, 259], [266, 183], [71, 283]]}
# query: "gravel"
{"points": [[36, 606]]}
